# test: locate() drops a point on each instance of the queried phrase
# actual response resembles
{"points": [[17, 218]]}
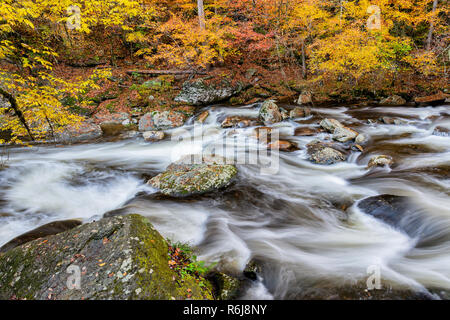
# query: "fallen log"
{"points": [[165, 72]]}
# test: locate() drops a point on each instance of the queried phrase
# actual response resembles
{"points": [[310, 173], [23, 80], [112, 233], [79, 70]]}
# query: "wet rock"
{"points": [[152, 136], [357, 147], [380, 161], [238, 122], [119, 258], [132, 134], [191, 176], [161, 120], [111, 128], [270, 113], [344, 134], [202, 117], [322, 153], [119, 117], [299, 112], [283, 145], [48, 229], [441, 131], [199, 92], [264, 134], [84, 131], [331, 124], [394, 100], [434, 99], [304, 98]]}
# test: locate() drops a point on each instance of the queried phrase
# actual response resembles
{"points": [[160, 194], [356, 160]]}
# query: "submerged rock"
{"points": [[380, 160], [322, 153], [188, 177], [199, 92], [116, 258], [48, 229], [270, 113], [161, 120]]}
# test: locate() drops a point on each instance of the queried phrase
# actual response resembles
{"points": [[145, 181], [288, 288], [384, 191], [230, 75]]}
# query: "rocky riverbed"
{"points": [[333, 193]]}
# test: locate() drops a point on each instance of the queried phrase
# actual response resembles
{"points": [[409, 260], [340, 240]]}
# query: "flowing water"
{"points": [[301, 225]]}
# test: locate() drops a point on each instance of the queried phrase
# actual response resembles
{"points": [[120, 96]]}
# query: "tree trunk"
{"points": [[201, 14], [16, 109], [303, 60], [430, 32]]}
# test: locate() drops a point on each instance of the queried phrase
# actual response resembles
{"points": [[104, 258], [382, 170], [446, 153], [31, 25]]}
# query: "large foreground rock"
{"points": [[199, 92], [186, 177], [116, 258]]}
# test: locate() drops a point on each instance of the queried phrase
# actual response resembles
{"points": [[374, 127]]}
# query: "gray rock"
{"points": [[198, 92], [270, 113], [186, 177], [323, 153]]}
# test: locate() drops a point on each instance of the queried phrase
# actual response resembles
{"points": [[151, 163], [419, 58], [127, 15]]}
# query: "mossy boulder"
{"points": [[192, 176], [121, 257]]}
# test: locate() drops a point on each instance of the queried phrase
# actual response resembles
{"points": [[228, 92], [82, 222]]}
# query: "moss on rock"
{"points": [[118, 258]]}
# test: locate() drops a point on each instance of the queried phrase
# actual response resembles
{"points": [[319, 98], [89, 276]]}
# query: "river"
{"points": [[301, 224]]}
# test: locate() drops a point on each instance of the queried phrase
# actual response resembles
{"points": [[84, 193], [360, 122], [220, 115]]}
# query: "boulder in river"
{"points": [[112, 128], [48, 229], [117, 258], [199, 92], [322, 153], [380, 161], [202, 117], [393, 100], [161, 120], [191, 176], [270, 113], [304, 98], [331, 124]]}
